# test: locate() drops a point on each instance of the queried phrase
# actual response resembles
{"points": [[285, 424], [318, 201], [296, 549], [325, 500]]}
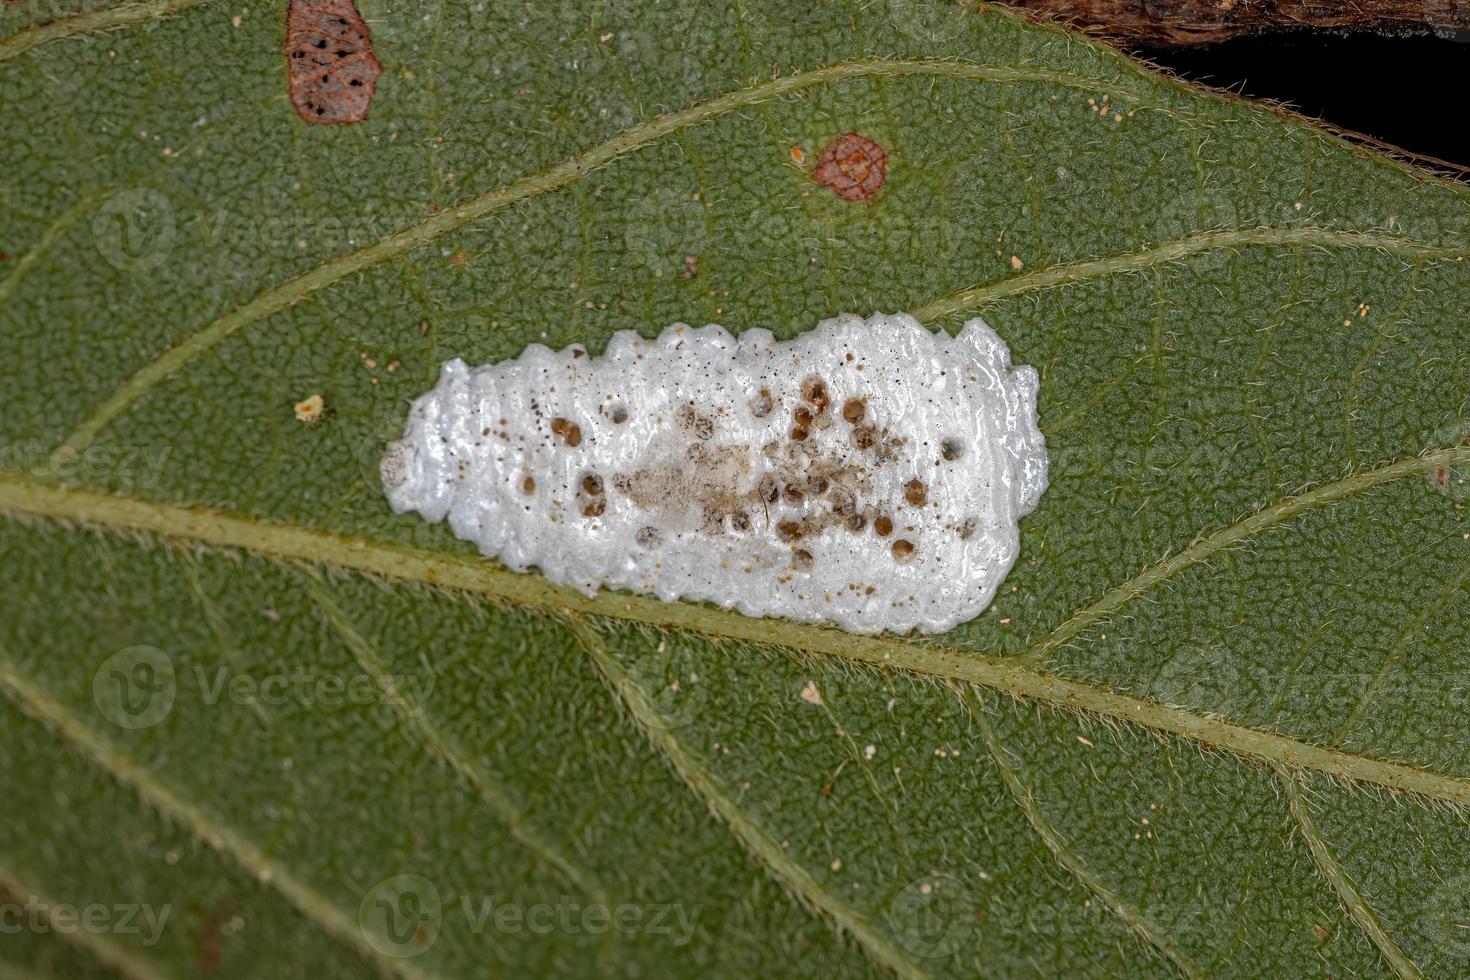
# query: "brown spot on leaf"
{"points": [[853, 167], [330, 61]]}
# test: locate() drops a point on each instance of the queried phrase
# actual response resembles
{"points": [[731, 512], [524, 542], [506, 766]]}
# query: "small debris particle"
{"points": [[691, 267], [1016, 263], [869, 751], [798, 155], [329, 57], [1084, 741], [837, 865], [310, 409], [853, 167], [235, 20], [810, 694]]}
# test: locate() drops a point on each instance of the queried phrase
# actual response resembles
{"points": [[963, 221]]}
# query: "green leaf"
{"points": [[1212, 725]]}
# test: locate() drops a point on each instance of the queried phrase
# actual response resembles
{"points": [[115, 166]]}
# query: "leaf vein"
{"points": [[223, 838], [1342, 885], [21, 496]]}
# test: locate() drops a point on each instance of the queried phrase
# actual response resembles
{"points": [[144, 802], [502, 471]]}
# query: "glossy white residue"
{"points": [[869, 473]]}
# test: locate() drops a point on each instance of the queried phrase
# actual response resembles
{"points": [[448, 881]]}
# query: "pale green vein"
{"points": [[311, 903], [283, 542], [90, 21], [53, 233], [1134, 921], [445, 749], [294, 290], [98, 944], [1174, 251], [1211, 544], [1347, 892], [755, 839]]}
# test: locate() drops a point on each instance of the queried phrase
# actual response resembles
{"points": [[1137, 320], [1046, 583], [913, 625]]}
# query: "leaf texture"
{"points": [[1210, 727]]}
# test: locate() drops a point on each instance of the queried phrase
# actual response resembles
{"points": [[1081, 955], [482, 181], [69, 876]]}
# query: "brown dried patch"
{"points": [[568, 431], [915, 493], [882, 526], [902, 550], [854, 167], [330, 60], [814, 390], [854, 409], [528, 485]]}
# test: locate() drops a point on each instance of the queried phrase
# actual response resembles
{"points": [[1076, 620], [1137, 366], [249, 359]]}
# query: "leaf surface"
{"points": [[1210, 727]]}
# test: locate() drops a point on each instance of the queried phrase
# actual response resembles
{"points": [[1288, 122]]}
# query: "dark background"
{"points": [[1412, 92]]}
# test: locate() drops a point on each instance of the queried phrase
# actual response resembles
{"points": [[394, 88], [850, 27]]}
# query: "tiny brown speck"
{"points": [[802, 416], [791, 495], [594, 507], [570, 432], [740, 521], [915, 493], [801, 558], [788, 530], [853, 166], [903, 550], [592, 484], [798, 432], [951, 449], [856, 523], [882, 527], [864, 436], [528, 486], [761, 404], [854, 409]]}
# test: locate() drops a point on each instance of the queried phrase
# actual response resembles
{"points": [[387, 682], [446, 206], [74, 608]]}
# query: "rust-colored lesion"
{"points": [[1207, 21], [329, 57], [853, 166]]}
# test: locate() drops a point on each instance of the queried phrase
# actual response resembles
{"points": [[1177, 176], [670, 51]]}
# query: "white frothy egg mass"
{"points": [[869, 473]]}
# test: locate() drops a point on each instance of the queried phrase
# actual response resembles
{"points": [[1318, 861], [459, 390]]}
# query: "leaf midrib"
{"points": [[21, 495]]}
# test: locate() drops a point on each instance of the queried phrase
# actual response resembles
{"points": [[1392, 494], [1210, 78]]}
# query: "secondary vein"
{"points": [[89, 21], [223, 838], [389, 560], [1133, 920], [751, 835], [1347, 892], [299, 287]]}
